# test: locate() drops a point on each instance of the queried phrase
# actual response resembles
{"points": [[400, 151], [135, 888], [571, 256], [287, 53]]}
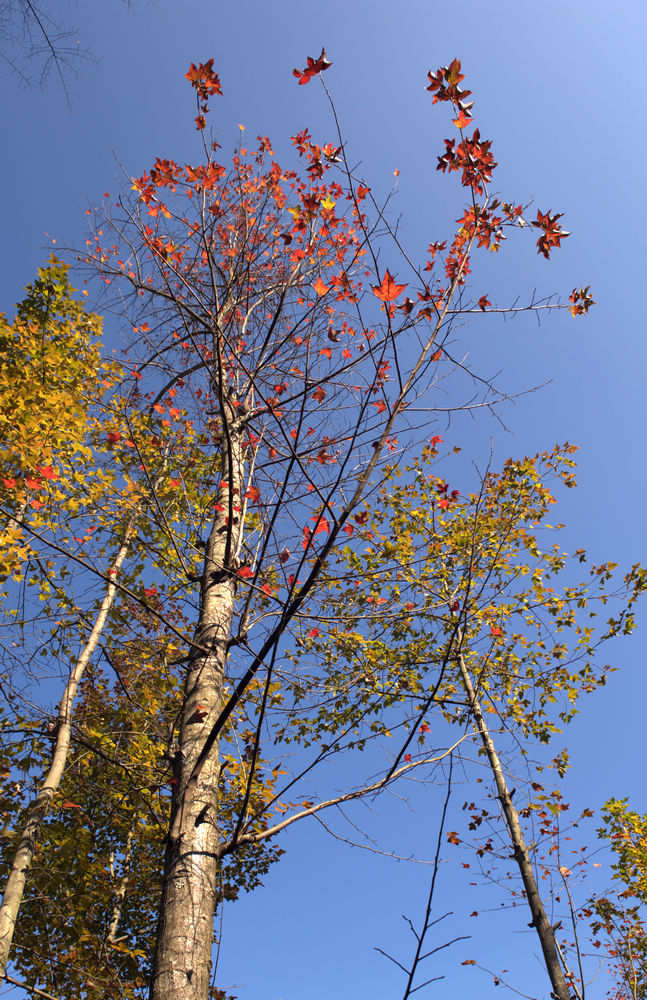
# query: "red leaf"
{"points": [[319, 394], [314, 67], [10, 483], [267, 590], [47, 471], [32, 483], [326, 351], [380, 406], [253, 494], [495, 630], [436, 439], [322, 525], [552, 235], [245, 572], [388, 290], [114, 436], [483, 302], [150, 591], [284, 555], [407, 757], [313, 633]]}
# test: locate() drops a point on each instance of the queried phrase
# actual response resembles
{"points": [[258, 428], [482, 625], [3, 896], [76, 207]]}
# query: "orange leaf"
{"points": [[319, 287], [388, 290]]}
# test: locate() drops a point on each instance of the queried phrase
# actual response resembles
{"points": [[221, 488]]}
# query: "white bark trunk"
{"points": [[39, 808]]}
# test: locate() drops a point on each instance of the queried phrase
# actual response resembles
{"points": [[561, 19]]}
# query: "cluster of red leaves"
{"points": [[204, 80], [552, 235], [581, 301], [206, 83], [443, 84], [472, 157], [314, 67]]}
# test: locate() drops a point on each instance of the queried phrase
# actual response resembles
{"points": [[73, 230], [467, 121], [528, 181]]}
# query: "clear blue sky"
{"points": [[557, 86]]}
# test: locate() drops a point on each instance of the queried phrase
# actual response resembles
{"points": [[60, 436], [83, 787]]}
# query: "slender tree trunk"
{"points": [[182, 959], [39, 807], [540, 920]]}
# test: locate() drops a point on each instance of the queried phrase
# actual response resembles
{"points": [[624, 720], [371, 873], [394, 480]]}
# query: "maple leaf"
{"points": [[495, 630], [483, 302], [244, 572], [322, 524], [203, 78], [10, 483], [388, 290], [150, 591], [313, 633], [407, 757], [47, 471], [314, 67], [463, 119], [552, 235], [319, 394], [319, 287]]}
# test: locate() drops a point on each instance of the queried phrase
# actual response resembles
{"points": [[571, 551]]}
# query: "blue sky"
{"points": [[557, 87]]}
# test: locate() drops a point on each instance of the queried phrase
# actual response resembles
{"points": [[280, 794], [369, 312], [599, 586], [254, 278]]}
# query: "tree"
{"points": [[453, 611], [269, 374]]}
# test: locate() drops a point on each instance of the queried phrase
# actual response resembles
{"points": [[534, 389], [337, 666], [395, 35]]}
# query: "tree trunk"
{"points": [[540, 920], [39, 808], [182, 959]]}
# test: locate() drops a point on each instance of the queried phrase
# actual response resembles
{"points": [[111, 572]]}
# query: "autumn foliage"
{"points": [[244, 531]]}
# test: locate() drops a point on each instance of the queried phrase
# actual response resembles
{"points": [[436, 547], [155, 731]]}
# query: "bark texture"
{"points": [[182, 959]]}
